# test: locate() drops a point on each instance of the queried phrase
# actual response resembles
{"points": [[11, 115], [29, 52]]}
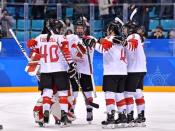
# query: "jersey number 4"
{"points": [[123, 56]]}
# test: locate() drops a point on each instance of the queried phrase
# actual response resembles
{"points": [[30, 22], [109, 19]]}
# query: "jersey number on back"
{"points": [[123, 56], [50, 53]]}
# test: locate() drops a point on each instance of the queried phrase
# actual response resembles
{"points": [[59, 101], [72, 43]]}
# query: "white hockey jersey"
{"points": [[136, 58], [52, 59], [114, 60], [79, 54]]}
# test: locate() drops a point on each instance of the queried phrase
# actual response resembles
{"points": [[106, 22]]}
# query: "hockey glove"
{"points": [[89, 42], [31, 43], [72, 69], [32, 68], [34, 56]]}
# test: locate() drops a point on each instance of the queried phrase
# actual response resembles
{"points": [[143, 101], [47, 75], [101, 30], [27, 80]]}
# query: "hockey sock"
{"points": [[129, 101], [120, 102], [47, 96], [110, 101], [63, 100], [140, 101]]}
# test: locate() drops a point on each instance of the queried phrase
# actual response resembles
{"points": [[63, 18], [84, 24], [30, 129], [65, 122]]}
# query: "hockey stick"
{"points": [[90, 65], [19, 44], [91, 72], [119, 20], [132, 14], [22, 49], [76, 79]]}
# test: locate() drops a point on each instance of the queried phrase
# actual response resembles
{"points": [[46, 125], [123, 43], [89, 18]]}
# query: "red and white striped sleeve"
{"points": [[64, 46]]}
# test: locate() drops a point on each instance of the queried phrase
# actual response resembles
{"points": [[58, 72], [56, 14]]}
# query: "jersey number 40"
{"points": [[50, 53]]}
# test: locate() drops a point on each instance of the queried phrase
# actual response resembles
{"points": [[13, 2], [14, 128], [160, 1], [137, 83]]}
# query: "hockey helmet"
{"points": [[131, 27], [55, 25], [80, 28], [114, 27]]}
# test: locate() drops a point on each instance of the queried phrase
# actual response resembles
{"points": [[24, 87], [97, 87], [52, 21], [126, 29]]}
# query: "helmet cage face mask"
{"points": [[80, 28]]}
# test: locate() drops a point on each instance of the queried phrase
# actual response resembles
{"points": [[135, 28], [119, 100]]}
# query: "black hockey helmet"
{"points": [[115, 27], [80, 22], [55, 25], [131, 26], [80, 28]]}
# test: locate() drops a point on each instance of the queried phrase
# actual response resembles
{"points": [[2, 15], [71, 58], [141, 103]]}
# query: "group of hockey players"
{"points": [[63, 64]]}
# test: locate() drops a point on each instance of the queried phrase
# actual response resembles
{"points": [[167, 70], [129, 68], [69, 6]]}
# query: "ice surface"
{"points": [[16, 113]]}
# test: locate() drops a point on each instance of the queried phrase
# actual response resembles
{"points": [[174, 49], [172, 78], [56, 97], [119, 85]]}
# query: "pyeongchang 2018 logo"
{"points": [[158, 78]]}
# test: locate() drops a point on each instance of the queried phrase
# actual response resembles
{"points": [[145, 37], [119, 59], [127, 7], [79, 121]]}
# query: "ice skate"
{"points": [[57, 122], [64, 122], [110, 122], [46, 116], [140, 120], [130, 119], [121, 122], [89, 115], [41, 124]]}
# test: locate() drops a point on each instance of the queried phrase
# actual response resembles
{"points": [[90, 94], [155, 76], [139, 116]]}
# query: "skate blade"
{"points": [[40, 124], [44, 125], [130, 124], [89, 122], [109, 126], [63, 125], [140, 124], [121, 125]]}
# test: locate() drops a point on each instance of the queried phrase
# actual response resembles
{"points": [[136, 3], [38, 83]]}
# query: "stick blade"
{"points": [[94, 105]]}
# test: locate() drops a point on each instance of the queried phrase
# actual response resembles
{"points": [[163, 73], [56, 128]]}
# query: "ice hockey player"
{"points": [[55, 109], [136, 72], [80, 54], [115, 71], [39, 115], [53, 67]]}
